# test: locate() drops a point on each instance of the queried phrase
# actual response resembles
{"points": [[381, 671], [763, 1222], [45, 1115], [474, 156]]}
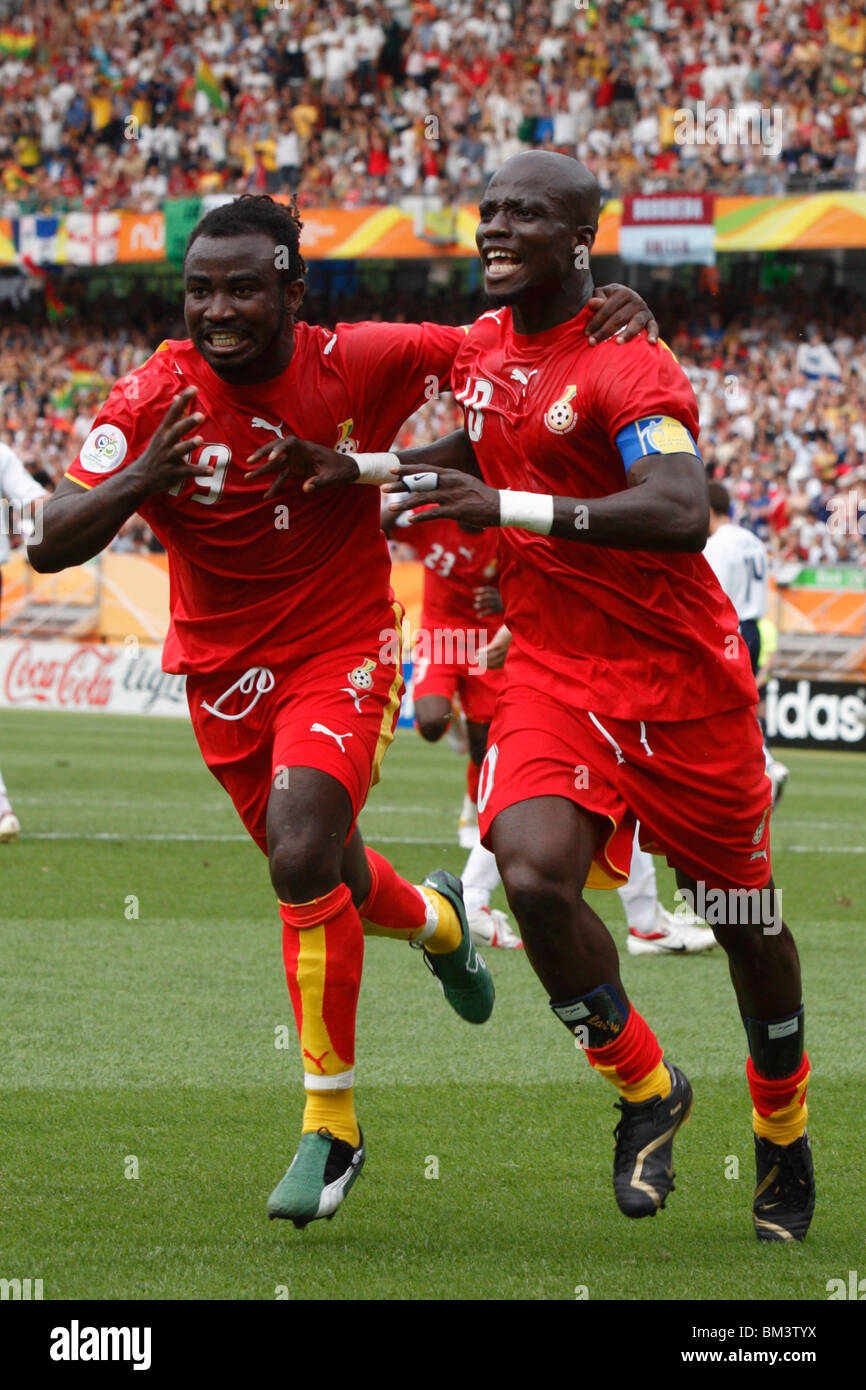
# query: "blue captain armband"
{"points": [[654, 434]]}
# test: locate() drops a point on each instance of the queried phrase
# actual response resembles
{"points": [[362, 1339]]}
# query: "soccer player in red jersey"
{"points": [[281, 615], [629, 694], [283, 619]]}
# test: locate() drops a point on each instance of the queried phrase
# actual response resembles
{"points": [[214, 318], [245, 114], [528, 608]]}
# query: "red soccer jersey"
{"points": [[255, 582], [629, 633], [456, 562]]}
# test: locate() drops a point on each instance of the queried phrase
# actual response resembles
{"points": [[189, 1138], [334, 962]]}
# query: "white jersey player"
{"points": [[738, 559], [18, 492]]}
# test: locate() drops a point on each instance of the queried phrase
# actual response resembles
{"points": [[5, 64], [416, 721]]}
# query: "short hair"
{"points": [[720, 500], [256, 212]]}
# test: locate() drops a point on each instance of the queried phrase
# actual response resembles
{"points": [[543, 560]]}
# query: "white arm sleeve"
{"points": [[16, 484]]}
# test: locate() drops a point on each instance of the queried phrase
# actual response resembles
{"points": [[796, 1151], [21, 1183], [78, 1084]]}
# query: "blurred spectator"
{"points": [[379, 90]]}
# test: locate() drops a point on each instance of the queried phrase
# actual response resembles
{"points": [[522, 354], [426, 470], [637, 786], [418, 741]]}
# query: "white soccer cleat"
{"points": [[670, 935], [468, 834], [9, 828], [778, 775], [490, 927]]}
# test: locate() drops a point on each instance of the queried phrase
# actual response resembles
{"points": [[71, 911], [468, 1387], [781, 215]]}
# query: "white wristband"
{"points": [[531, 510], [376, 468]]}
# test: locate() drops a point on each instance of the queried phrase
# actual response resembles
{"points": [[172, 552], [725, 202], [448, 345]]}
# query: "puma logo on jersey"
{"points": [[353, 694], [518, 375], [322, 729], [259, 424]]}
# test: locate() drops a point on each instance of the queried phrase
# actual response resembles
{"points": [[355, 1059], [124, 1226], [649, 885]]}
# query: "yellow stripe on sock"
{"points": [[785, 1125], [655, 1083], [334, 1111], [395, 933], [320, 1057]]}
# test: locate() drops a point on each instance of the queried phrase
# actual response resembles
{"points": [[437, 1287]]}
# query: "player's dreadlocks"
{"points": [[254, 212]]}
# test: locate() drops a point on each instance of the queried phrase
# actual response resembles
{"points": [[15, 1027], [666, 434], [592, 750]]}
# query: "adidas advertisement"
{"points": [[816, 714]]}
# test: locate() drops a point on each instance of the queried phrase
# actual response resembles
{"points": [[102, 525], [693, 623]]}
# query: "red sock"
{"points": [[473, 772], [323, 950], [392, 903], [633, 1061], [780, 1111]]}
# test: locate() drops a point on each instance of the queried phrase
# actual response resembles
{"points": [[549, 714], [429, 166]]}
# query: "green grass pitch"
{"points": [[144, 1005]]}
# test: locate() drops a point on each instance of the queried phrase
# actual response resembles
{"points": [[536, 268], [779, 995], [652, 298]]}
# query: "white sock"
{"points": [[5, 804], [639, 895], [480, 877]]}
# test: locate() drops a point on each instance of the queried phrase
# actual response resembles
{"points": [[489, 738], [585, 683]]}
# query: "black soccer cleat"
{"points": [[785, 1191], [642, 1166]]}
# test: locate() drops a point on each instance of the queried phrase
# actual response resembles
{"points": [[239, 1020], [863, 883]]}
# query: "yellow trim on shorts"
{"points": [[386, 731], [600, 876]]}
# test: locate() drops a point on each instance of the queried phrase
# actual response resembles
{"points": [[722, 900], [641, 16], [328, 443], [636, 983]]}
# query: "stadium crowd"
{"points": [[126, 104], [781, 390]]}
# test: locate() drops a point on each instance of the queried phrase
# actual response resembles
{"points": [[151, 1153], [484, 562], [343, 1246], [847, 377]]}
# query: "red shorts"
{"points": [[698, 788], [334, 712], [475, 685]]}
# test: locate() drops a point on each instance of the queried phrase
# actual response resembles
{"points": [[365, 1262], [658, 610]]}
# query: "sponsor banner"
{"points": [[141, 237], [181, 215], [98, 677], [668, 229], [816, 714], [85, 676], [8, 251], [831, 577], [39, 239], [811, 222]]}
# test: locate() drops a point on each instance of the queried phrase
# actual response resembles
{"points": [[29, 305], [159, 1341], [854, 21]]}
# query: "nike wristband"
{"points": [[531, 510], [376, 468]]}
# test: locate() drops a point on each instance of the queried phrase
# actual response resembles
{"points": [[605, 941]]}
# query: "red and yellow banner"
{"points": [[811, 222], [814, 222]]}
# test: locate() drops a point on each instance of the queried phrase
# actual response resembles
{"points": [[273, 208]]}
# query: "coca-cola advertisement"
{"points": [[126, 679]]}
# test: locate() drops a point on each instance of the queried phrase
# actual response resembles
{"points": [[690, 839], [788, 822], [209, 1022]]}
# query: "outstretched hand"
{"points": [[318, 465]]}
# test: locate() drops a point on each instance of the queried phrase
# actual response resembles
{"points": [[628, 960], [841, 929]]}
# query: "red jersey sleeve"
{"points": [[392, 368], [632, 381], [127, 420]]}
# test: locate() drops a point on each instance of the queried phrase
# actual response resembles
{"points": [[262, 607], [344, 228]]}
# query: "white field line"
{"points": [[378, 839]]}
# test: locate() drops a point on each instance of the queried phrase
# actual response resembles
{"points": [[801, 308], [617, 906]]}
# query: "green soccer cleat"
{"points": [[643, 1174], [462, 974], [785, 1193], [318, 1179]]}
